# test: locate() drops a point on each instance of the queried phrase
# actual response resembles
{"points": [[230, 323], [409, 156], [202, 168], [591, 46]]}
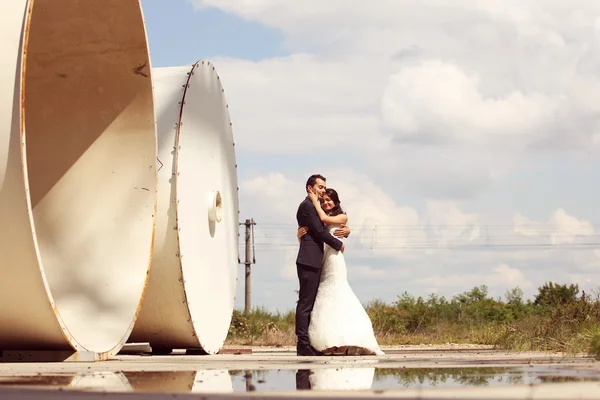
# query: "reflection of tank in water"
{"points": [[213, 381], [102, 381], [191, 288], [92, 381], [77, 173], [161, 381], [37, 381], [206, 381]]}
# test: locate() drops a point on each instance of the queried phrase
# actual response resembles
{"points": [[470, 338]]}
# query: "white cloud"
{"points": [[437, 101], [450, 224], [499, 279], [367, 272], [473, 85], [436, 118], [301, 104], [504, 66], [394, 248], [510, 277], [561, 228]]}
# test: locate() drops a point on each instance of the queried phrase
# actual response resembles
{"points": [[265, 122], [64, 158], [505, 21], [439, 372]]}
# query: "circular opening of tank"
{"points": [[216, 207], [90, 151]]}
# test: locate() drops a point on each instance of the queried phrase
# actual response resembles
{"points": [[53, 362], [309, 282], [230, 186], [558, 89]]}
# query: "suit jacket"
{"points": [[311, 244]]}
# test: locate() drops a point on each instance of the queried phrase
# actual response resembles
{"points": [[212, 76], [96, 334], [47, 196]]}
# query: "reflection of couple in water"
{"points": [[335, 379], [330, 320], [303, 379]]}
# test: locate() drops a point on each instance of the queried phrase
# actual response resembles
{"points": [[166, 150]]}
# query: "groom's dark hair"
{"points": [[312, 180]]}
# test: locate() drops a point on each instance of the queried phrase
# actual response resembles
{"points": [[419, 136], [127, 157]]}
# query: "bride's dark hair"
{"points": [[337, 209]]}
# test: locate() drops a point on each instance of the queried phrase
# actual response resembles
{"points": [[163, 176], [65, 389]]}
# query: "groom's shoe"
{"points": [[305, 351]]}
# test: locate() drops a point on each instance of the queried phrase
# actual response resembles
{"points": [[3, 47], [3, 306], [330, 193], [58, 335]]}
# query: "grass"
{"points": [[557, 319]]}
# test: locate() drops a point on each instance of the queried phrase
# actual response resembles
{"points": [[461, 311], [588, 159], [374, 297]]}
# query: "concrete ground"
{"points": [[424, 372]]}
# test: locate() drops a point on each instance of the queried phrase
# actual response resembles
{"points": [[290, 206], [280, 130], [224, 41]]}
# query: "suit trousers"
{"points": [[303, 379], [309, 284]]}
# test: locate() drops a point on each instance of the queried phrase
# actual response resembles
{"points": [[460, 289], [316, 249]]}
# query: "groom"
{"points": [[310, 259]]}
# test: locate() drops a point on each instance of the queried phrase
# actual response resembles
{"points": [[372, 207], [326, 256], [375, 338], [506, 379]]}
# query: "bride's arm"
{"points": [[338, 219]]}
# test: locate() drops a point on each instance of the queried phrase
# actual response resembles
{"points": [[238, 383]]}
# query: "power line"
{"points": [[577, 230], [274, 247], [456, 226], [416, 237], [465, 230], [458, 247], [279, 236]]}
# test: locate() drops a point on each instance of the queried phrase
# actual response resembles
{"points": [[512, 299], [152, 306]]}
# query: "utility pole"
{"points": [[249, 242]]}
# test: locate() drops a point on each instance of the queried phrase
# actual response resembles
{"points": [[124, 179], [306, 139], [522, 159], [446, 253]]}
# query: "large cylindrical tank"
{"points": [[191, 290], [77, 173]]}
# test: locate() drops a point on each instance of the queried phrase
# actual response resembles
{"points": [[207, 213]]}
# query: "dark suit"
{"points": [[303, 379], [308, 264]]}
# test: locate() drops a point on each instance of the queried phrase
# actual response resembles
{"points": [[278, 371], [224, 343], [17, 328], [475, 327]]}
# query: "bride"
{"points": [[339, 324]]}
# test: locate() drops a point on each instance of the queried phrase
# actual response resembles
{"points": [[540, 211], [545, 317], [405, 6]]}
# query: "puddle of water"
{"points": [[228, 381], [405, 378], [37, 380], [93, 381]]}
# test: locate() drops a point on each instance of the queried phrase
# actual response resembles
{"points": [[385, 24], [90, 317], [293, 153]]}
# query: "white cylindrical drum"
{"points": [[77, 173], [191, 290]]}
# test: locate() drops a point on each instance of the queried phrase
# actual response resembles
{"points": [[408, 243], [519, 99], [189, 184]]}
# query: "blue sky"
{"points": [[180, 35], [445, 138]]}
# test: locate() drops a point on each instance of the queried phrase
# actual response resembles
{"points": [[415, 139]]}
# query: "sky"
{"points": [[463, 137]]}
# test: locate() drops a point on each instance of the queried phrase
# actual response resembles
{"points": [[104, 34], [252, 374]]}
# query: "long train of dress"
{"points": [[338, 319]]}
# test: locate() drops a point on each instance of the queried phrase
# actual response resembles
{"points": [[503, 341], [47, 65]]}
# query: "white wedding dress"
{"points": [[338, 318]]}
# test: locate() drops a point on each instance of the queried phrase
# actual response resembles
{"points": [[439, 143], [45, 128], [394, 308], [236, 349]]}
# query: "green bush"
{"points": [[557, 319], [594, 349]]}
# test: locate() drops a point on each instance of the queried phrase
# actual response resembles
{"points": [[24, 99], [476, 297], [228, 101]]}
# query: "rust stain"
{"points": [[195, 66], [235, 351], [138, 70], [26, 31]]}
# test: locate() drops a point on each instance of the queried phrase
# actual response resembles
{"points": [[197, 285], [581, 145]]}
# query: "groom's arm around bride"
{"points": [[317, 234], [342, 232]]}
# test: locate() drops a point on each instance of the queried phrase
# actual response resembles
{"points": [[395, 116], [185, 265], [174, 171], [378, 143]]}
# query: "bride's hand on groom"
{"points": [[341, 232], [302, 230]]}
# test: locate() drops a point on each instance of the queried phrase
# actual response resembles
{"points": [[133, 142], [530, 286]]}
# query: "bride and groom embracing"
{"points": [[330, 320]]}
